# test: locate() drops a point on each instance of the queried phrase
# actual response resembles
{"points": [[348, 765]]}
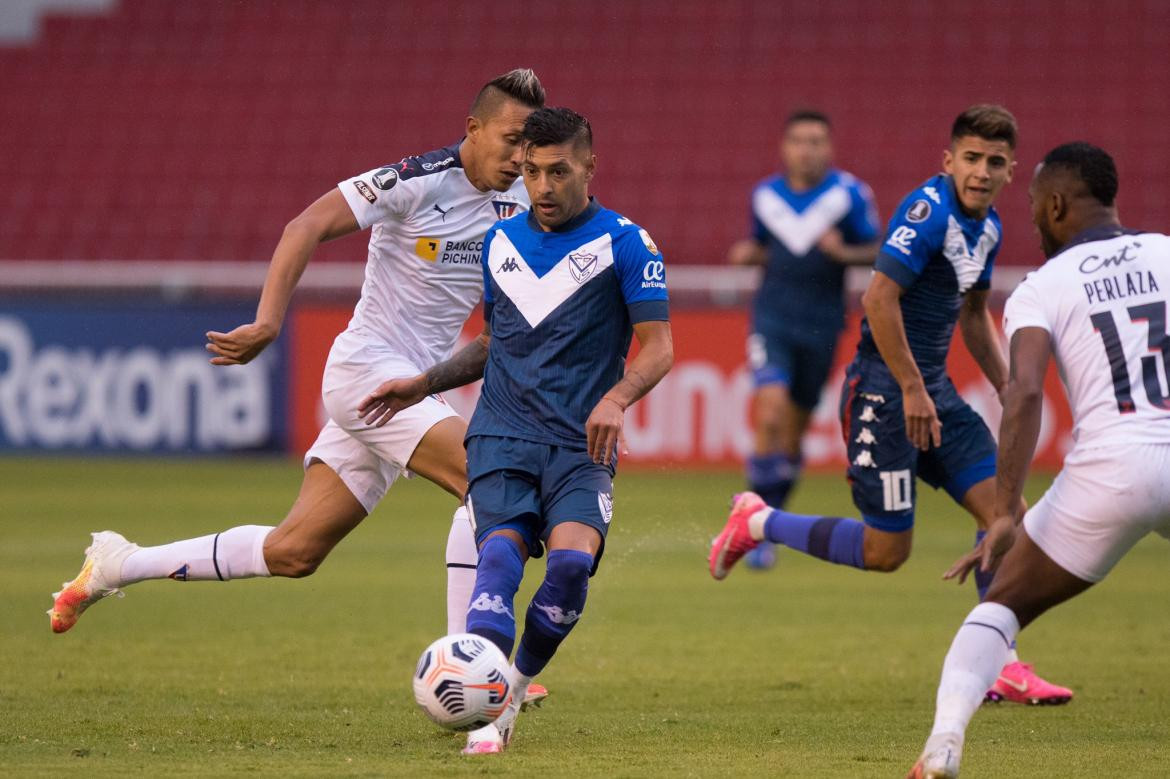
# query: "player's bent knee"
{"points": [[569, 571], [885, 552], [284, 560]]}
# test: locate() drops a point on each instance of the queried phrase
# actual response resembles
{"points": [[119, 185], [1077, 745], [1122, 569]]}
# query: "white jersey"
{"points": [[1104, 302], [423, 272]]}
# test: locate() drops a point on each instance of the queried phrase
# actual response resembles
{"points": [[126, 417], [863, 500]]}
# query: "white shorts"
{"points": [[369, 459], [1102, 503]]}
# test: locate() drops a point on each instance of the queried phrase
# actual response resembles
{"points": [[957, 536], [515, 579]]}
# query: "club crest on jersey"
{"points": [[504, 208], [582, 266]]}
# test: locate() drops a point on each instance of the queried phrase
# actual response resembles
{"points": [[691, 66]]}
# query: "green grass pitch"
{"points": [[810, 670]]}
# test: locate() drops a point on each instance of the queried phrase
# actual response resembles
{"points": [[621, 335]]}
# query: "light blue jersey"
{"points": [[561, 306]]}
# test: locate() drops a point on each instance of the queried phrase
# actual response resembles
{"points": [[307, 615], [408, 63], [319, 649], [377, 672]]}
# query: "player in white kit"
{"points": [[428, 215], [1099, 307]]}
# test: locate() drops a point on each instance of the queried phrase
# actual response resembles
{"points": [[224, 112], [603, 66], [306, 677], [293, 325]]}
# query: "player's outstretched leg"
{"points": [[835, 539], [324, 512]]}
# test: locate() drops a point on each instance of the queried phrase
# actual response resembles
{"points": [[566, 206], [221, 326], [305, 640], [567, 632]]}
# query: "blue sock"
{"points": [[835, 539], [554, 609], [982, 578], [772, 476], [497, 577]]}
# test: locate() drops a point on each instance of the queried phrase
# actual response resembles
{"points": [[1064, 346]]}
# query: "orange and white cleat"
{"points": [[940, 758], [98, 579], [535, 696], [735, 541], [1018, 683]]}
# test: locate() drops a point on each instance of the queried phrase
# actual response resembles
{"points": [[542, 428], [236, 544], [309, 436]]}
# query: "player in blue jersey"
{"points": [[808, 224], [901, 414], [566, 287]]}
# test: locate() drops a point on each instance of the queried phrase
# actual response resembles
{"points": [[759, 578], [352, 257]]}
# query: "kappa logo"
{"points": [[901, 239], [605, 505], [508, 265], [867, 415], [494, 604], [385, 178], [557, 615], [932, 193], [866, 437], [919, 211], [864, 459], [504, 209], [582, 266], [364, 190]]}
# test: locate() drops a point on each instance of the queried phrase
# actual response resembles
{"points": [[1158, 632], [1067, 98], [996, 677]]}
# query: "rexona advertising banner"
{"points": [[701, 412], [133, 376]]}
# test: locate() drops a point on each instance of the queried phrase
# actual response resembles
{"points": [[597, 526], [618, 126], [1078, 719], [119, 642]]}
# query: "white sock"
{"points": [[756, 523], [520, 683], [461, 559], [972, 665], [237, 553]]}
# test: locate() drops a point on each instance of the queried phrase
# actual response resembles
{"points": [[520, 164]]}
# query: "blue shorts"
{"points": [[883, 463], [799, 365], [531, 488]]}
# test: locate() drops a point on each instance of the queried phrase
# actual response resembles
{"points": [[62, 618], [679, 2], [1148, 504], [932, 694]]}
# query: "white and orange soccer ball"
{"points": [[461, 682]]}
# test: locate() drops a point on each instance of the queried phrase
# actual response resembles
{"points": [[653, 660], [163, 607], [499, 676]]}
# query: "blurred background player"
{"points": [[565, 288], [412, 308], [900, 412], [808, 224], [1098, 306]]}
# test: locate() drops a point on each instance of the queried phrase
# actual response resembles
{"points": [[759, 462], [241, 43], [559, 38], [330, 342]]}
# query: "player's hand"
{"points": [[603, 430], [832, 243], [380, 406], [746, 252], [988, 553], [240, 345], [923, 427]]}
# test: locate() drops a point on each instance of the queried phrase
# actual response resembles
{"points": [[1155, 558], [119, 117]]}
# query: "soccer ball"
{"points": [[461, 682]]}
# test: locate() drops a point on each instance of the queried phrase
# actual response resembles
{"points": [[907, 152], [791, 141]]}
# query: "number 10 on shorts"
{"points": [[896, 490]]}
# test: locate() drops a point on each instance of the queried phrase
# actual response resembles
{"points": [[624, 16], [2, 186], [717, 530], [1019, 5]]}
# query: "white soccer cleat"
{"points": [[940, 757], [484, 741], [99, 578]]}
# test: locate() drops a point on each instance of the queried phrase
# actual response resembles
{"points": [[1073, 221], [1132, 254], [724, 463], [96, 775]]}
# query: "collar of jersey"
{"points": [[1099, 233], [570, 225], [828, 181]]}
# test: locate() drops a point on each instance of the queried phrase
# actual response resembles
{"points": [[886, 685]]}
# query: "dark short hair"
{"points": [[520, 85], [989, 122], [554, 126], [807, 115], [1090, 164]]}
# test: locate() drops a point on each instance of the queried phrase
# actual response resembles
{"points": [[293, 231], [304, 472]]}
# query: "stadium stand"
{"points": [[160, 130]]}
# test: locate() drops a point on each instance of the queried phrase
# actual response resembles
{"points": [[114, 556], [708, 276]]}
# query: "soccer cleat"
{"points": [[98, 579], [762, 557], [484, 741], [535, 696], [940, 758], [1018, 683], [735, 541]]}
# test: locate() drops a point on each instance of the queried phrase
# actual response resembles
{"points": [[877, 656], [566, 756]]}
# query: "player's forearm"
{"points": [[289, 260], [982, 342], [1019, 430], [464, 367], [653, 361], [864, 254], [889, 333]]}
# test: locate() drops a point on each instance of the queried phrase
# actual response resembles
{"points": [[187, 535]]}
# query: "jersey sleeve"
{"points": [[376, 196], [861, 224], [642, 275], [1024, 308], [914, 235]]}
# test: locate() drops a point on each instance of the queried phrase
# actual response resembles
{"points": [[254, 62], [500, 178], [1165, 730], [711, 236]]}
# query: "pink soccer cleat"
{"points": [[735, 541], [1018, 683], [534, 697]]}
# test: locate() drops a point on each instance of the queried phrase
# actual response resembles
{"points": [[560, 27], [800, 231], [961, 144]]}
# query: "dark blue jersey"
{"points": [[802, 292], [561, 306], [937, 254]]}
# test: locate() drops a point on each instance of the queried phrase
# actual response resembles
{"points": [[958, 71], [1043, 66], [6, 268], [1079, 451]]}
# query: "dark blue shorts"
{"points": [[801, 366], [883, 463], [531, 488]]}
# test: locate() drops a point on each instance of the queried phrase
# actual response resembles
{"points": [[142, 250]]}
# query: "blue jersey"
{"points": [[802, 292], [937, 254], [561, 306]]}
